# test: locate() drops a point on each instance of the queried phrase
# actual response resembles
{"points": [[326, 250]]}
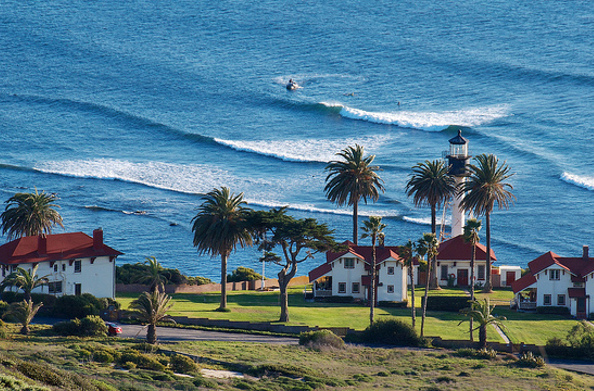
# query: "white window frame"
{"points": [[561, 300], [391, 270], [483, 269], [555, 275], [390, 289], [78, 266], [547, 299], [356, 287], [342, 287], [349, 263]]}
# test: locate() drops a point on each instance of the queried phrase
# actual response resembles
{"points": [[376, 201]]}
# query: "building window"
{"points": [[561, 300], [55, 267], [349, 263], [55, 287], [555, 274], [481, 272], [13, 268], [547, 300], [342, 287], [390, 288], [77, 289], [77, 266], [444, 272], [355, 287], [391, 270], [63, 267]]}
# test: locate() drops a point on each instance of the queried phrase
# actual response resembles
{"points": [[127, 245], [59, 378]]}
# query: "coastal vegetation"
{"points": [[30, 214], [46, 362]]}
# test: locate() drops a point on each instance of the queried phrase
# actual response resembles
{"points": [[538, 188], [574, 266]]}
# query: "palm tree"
{"points": [[485, 186], [151, 308], [407, 254], [427, 245], [25, 280], [373, 228], [219, 227], [24, 312], [30, 214], [153, 275], [471, 235], [352, 179], [481, 313], [430, 184]]}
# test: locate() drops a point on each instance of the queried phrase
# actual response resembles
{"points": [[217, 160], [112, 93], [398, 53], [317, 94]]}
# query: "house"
{"points": [[74, 263], [348, 274], [453, 262], [555, 281]]}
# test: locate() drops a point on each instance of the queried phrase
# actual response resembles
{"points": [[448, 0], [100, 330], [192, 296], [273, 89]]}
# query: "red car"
{"points": [[113, 330]]}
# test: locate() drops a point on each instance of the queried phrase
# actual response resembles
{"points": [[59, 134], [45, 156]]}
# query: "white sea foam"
{"points": [[587, 182], [307, 150], [425, 120], [424, 220]]}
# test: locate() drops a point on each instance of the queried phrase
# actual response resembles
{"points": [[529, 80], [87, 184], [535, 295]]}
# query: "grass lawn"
{"points": [[263, 307]]}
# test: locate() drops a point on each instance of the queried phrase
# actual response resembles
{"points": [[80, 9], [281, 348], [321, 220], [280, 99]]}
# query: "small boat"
{"points": [[292, 85]]}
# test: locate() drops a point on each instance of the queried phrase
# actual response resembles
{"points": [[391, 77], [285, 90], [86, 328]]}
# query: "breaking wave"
{"points": [[585, 182]]}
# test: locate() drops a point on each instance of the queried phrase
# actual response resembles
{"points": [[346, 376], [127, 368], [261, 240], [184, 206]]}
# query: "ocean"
{"points": [[131, 111]]}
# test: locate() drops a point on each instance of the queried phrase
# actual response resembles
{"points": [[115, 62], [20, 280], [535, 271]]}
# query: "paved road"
{"points": [[175, 334]]}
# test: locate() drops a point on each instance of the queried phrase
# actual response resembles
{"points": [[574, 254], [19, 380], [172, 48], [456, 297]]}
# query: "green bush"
{"points": [[446, 303], [140, 360], [131, 273], [92, 326], [71, 306], [67, 327], [528, 360], [243, 274], [393, 304], [391, 332], [182, 364], [553, 310], [103, 357], [319, 339]]}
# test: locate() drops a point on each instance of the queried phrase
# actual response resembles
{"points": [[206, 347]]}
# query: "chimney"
{"points": [[585, 253], [42, 244], [98, 239]]}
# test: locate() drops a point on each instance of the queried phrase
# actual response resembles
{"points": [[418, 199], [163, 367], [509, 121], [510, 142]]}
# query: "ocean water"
{"points": [[130, 111]]}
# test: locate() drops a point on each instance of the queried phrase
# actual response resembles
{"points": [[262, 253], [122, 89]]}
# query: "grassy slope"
{"points": [[290, 367], [263, 307]]}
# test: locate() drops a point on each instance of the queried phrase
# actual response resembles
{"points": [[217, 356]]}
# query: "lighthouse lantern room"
{"points": [[458, 159]]}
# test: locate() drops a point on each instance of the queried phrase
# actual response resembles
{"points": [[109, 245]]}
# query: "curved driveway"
{"points": [[175, 334]]}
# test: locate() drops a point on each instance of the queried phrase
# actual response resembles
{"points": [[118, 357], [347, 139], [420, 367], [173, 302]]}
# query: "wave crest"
{"points": [[425, 120], [585, 182]]}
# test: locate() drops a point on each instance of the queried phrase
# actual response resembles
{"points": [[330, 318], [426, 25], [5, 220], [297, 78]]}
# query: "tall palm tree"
{"points": [[471, 235], [426, 246], [407, 254], [153, 275], [25, 280], [219, 227], [486, 186], [351, 179], [481, 313], [30, 214], [373, 228], [430, 184], [24, 312], [151, 308]]}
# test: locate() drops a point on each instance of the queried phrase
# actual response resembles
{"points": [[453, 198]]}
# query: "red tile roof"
{"points": [[319, 271], [576, 292], [523, 283], [456, 249], [33, 249]]}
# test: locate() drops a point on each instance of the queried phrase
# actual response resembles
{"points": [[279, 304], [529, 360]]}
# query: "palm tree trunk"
{"points": [[483, 336], [488, 288], [411, 272], [472, 260], [151, 334], [425, 300], [433, 280], [355, 221], [223, 305], [372, 293]]}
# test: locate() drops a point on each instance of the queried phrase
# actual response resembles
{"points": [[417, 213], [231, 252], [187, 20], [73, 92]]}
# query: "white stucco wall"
{"points": [[459, 265], [97, 279], [504, 269], [546, 286], [348, 276], [397, 280]]}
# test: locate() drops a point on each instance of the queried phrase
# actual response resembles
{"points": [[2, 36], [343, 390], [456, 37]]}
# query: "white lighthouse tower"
{"points": [[458, 161]]}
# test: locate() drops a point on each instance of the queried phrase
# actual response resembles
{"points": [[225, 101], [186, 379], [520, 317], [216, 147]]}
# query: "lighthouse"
{"points": [[458, 158]]}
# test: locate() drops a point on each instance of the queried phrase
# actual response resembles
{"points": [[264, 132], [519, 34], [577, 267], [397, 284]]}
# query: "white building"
{"points": [[555, 281], [348, 274], [74, 263], [453, 262]]}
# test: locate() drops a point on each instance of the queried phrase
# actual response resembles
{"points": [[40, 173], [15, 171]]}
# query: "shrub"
{"points": [[391, 332], [528, 360], [140, 361], [447, 303], [71, 306], [103, 357], [335, 299], [393, 304], [484, 353], [554, 310], [182, 364], [92, 326], [243, 274], [67, 327], [320, 338]]}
